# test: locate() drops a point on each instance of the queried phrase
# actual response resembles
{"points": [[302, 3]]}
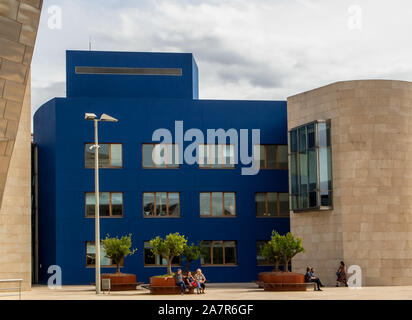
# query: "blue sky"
{"points": [[260, 49]]}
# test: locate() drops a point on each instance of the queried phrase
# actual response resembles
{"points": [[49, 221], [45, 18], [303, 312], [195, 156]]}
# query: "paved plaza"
{"points": [[224, 291]]}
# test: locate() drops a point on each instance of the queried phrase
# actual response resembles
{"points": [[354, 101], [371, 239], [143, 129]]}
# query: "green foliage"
{"points": [[282, 248], [271, 251], [117, 249], [191, 253], [172, 246]]}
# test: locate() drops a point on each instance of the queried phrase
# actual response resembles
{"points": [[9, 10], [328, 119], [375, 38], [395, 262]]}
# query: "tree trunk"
{"points": [[187, 266], [118, 267], [169, 266], [286, 265], [277, 266]]}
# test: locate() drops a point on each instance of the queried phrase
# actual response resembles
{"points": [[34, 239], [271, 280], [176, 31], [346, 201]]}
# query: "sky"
{"points": [[255, 50]]}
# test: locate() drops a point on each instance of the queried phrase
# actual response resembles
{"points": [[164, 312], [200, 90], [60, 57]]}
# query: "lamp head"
{"points": [[90, 116], [107, 118]]}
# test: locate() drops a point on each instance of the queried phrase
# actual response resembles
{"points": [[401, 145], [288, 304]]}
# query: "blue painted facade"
{"points": [[143, 104]]}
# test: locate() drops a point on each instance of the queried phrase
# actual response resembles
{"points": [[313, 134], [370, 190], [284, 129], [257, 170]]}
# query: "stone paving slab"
{"points": [[226, 291]]}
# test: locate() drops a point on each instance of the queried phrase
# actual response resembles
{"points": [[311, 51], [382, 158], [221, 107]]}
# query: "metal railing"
{"points": [[19, 281]]}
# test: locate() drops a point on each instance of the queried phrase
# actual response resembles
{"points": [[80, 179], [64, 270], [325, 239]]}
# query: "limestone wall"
{"points": [[19, 20], [371, 223]]}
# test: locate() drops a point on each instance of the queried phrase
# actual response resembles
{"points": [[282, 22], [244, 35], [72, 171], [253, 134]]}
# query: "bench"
{"points": [[288, 286]]}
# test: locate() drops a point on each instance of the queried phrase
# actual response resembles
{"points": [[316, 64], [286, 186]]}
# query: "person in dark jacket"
{"points": [[179, 281]]}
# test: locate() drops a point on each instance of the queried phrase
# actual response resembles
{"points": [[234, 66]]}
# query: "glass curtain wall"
{"points": [[310, 160]]}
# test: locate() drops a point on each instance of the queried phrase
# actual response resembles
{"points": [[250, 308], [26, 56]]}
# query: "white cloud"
{"points": [[261, 49]]}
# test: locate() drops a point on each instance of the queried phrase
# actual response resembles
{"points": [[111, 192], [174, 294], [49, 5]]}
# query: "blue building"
{"points": [[213, 204]]}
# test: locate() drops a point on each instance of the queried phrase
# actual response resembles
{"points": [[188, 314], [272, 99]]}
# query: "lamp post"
{"points": [[104, 118]]}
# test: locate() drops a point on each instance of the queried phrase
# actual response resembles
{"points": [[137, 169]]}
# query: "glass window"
{"points": [[161, 204], [205, 250], [260, 201], [116, 155], [311, 167], [261, 260], [174, 203], [282, 157], [218, 252], [117, 204], [230, 204], [283, 204], [272, 204], [104, 204], [205, 204], [217, 204], [91, 256], [110, 204], [160, 155], [147, 155], [215, 156], [151, 259], [271, 156], [110, 155]]}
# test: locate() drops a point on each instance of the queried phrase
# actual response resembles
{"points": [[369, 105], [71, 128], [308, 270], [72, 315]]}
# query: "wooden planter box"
{"points": [[164, 286], [283, 281], [121, 281]]}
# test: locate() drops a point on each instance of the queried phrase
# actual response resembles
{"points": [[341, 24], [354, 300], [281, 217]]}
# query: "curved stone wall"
{"points": [[371, 221], [19, 22]]}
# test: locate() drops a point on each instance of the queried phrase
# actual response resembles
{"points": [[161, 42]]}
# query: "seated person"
{"points": [[315, 279], [201, 280], [192, 282], [179, 281]]}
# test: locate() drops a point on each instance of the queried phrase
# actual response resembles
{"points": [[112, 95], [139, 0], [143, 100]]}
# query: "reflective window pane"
{"points": [[174, 204], [322, 135], [104, 160], [311, 136], [260, 202], [205, 204], [149, 257], [117, 204], [293, 141], [270, 156], [147, 155], [217, 253], [148, 204], [272, 204], [89, 155], [312, 170], [217, 203], [230, 204], [284, 204], [104, 204], [90, 204], [161, 205], [116, 155], [302, 139], [205, 252], [282, 157], [230, 252]]}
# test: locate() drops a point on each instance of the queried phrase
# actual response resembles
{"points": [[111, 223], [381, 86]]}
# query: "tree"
{"points": [[190, 253], [271, 250], [117, 249], [288, 246], [172, 246]]}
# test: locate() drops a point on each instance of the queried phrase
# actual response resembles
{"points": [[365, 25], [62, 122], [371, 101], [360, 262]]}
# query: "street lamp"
{"points": [[104, 118]]}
